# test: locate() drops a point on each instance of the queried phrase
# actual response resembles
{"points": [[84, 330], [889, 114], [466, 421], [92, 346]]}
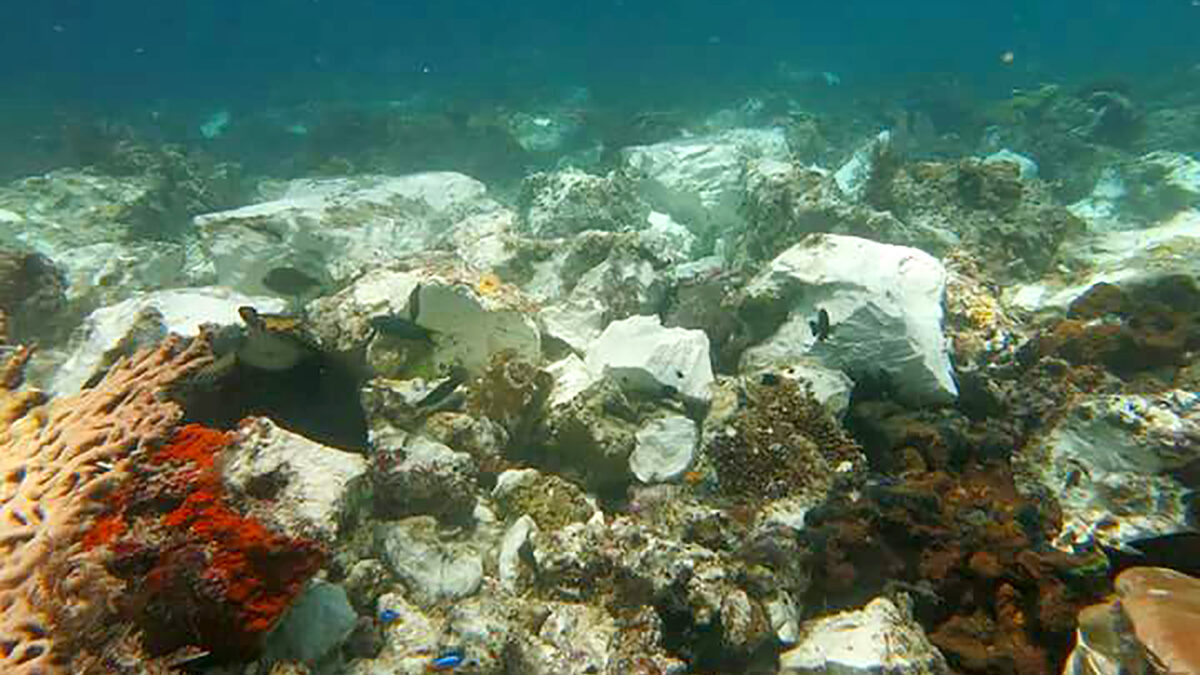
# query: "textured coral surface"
{"points": [[58, 466], [205, 575]]}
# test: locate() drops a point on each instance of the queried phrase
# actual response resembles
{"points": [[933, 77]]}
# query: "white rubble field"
{"points": [[879, 638], [885, 311], [180, 311], [1119, 257], [1142, 193], [642, 355], [74, 218], [318, 488], [334, 228], [1107, 462], [700, 181]]}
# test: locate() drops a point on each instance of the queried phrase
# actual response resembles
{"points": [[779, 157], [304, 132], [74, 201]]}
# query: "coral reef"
{"points": [[1128, 330], [780, 443], [200, 572], [63, 462], [965, 547], [32, 294]]}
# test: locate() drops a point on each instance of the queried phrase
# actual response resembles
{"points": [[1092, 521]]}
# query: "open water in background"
{"points": [[244, 52]]}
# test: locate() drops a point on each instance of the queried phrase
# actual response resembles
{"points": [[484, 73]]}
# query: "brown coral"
{"points": [[58, 463]]}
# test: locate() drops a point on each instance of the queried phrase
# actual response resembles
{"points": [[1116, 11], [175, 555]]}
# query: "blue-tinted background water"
{"points": [[125, 51]]}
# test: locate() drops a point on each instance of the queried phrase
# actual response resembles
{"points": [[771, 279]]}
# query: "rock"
{"points": [[668, 240], [333, 229], [291, 483], [514, 550], [665, 448], [878, 638], [885, 319], [784, 202], [433, 570], [485, 241], [642, 355], [143, 320], [577, 320], [855, 176], [470, 327], [1109, 462], [574, 638], [1028, 169], [414, 474], [316, 624], [592, 279], [342, 321], [551, 501], [1144, 192], [32, 296], [571, 378], [464, 321], [409, 640], [542, 132], [830, 386], [567, 202], [1149, 627], [700, 181], [1125, 258], [83, 222]]}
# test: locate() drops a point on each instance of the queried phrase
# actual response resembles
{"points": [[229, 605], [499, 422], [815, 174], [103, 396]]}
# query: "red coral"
{"points": [[208, 575]]}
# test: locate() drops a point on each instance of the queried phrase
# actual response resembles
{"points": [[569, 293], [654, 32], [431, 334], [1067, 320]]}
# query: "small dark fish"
{"points": [[401, 328], [387, 616], [820, 327], [414, 303], [457, 376], [1179, 551], [289, 281]]}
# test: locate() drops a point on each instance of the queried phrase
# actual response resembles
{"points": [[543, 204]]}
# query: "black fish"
{"points": [[400, 327], [820, 327], [1179, 551], [455, 377], [289, 281]]}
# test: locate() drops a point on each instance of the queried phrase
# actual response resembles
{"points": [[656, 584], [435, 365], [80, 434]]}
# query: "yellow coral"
{"points": [[488, 284]]}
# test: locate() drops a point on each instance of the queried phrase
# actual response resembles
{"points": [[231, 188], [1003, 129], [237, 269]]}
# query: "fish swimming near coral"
{"points": [[1179, 551], [404, 327], [820, 326], [446, 661], [289, 281]]}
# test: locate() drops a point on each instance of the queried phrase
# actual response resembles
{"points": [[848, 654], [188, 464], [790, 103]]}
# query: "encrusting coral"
{"points": [[118, 547], [58, 463]]}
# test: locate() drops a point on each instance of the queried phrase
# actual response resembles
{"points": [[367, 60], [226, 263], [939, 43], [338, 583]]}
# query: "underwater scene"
{"points": [[624, 337]]}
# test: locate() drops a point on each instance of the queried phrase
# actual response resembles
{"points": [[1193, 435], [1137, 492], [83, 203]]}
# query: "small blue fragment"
{"points": [[388, 615], [448, 660]]}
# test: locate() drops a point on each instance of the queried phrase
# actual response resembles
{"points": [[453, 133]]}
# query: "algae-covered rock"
{"points": [[567, 202]]}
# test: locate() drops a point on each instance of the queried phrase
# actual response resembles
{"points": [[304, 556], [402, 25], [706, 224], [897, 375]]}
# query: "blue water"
{"points": [[124, 51]]}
